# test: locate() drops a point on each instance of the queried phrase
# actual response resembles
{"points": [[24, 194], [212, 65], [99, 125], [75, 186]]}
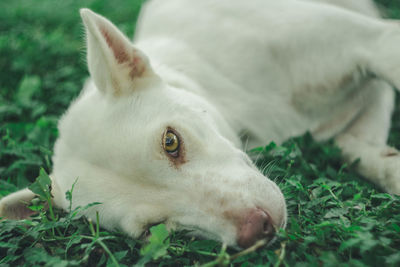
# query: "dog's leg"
{"points": [[15, 205], [366, 139]]}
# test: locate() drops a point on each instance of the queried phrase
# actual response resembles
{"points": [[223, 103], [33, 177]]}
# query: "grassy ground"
{"points": [[336, 218]]}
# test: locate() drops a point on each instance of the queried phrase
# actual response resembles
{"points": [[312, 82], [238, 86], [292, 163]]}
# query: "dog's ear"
{"points": [[114, 64]]}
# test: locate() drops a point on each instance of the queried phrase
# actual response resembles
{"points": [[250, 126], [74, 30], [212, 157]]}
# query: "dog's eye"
{"points": [[171, 143]]}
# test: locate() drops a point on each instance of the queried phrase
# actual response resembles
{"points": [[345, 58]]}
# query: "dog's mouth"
{"points": [[146, 234], [197, 231]]}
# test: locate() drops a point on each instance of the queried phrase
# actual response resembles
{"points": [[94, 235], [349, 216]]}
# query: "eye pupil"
{"points": [[169, 141]]}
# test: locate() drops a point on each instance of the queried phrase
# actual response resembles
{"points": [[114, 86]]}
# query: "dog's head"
{"points": [[151, 152]]}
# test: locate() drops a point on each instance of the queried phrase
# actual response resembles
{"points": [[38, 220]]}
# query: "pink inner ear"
{"points": [[136, 63], [116, 45], [137, 67]]}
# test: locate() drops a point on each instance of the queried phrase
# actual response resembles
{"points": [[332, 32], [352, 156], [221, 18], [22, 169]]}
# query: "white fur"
{"points": [[219, 69]]}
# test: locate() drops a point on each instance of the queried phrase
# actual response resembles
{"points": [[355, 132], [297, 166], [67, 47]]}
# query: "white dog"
{"points": [[154, 136]]}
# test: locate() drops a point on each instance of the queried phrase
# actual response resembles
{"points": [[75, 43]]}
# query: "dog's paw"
{"points": [[392, 174]]}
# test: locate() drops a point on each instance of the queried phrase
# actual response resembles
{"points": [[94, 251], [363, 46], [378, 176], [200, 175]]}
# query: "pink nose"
{"points": [[257, 225]]}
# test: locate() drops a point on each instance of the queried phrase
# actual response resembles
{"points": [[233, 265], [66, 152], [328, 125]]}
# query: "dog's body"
{"points": [[268, 80], [220, 71]]}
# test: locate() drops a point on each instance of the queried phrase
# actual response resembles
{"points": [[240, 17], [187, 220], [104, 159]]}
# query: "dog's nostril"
{"points": [[269, 227], [257, 225]]}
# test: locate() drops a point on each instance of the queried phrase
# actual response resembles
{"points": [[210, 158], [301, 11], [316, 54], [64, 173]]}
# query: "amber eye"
{"points": [[171, 143]]}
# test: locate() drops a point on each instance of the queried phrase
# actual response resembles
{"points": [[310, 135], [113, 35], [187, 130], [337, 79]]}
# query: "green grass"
{"points": [[335, 217]]}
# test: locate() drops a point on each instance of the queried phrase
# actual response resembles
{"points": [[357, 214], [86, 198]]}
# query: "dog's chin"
{"points": [[201, 233]]}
